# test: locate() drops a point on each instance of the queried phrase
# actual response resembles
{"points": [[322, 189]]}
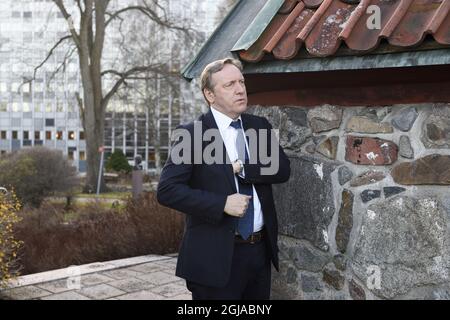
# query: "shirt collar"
{"points": [[223, 121]]}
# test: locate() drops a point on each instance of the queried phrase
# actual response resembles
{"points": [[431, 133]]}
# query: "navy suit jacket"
{"points": [[200, 191]]}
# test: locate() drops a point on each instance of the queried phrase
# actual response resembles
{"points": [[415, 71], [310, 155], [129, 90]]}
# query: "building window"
{"points": [[49, 122], [59, 135], [81, 135], [37, 135], [82, 155], [71, 135], [3, 135], [48, 135], [70, 155], [15, 135], [26, 135]]}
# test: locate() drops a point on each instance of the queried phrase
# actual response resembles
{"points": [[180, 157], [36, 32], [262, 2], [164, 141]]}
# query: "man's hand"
{"points": [[237, 204]]}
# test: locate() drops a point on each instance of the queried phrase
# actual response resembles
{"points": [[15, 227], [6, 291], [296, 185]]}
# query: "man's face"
{"points": [[228, 95]]}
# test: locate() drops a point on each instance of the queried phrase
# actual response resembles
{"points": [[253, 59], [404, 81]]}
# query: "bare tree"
{"points": [[87, 31], [224, 8]]}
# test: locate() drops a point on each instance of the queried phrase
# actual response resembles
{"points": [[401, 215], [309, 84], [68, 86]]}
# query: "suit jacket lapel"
{"points": [[210, 122]]}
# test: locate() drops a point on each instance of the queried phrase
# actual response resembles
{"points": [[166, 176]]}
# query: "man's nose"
{"points": [[240, 88]]}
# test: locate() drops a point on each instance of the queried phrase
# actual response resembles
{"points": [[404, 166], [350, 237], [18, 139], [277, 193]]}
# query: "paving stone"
{"points": [[55, 286], [141, 295], [69, 295], [25, 293], [131, 285], [120, 274], [93, 279], [170, 290], [101, 291], [159, 278], [167, 263], [187, 296], [147, 267]]}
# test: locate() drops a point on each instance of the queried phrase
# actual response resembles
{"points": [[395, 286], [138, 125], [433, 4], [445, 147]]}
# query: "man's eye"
{"points": [[228, 85]]}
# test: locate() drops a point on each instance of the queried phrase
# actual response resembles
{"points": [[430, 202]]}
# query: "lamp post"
{"points": [[100, 171]]}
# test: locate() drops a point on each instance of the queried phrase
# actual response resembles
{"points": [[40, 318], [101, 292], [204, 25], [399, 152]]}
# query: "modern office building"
{"points": [[45, 112]]}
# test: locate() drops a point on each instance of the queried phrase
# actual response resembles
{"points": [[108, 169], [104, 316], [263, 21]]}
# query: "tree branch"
{"points": [[125, 75], [63, 63], [151, 14], [69, 20], [50, 53]]}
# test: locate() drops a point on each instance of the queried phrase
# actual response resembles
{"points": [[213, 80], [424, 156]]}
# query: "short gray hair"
{"points": [[214, 67]]}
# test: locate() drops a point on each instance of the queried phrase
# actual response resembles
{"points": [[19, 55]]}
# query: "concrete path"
{"points": [[140, 278]]}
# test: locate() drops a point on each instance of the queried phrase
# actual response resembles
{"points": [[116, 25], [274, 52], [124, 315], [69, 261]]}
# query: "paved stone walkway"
{"points": [[140, 278]]}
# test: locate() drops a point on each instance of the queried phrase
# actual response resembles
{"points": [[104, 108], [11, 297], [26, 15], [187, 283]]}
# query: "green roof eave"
{"points": [[373, 61], [258, 25]]}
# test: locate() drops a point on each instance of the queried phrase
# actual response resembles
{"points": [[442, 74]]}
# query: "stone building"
{"points": [[360, 93]]}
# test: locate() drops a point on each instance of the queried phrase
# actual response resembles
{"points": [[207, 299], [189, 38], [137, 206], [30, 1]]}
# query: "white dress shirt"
{"points": [[229, 135]]}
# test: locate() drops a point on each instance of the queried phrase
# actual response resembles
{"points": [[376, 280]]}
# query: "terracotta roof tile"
{"points": [[323, 26]]}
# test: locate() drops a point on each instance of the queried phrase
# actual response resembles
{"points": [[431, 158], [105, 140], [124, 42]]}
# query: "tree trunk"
{"points": [[90, 53]]}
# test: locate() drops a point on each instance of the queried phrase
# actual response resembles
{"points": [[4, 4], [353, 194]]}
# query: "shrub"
{"points": [[35, 173], [99, 233], [118, 162], [9, 246]]}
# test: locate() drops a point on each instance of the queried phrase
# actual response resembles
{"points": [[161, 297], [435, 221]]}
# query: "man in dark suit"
{"points": [[231, 224]]}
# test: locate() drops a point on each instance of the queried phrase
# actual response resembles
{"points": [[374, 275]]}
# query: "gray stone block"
{"points": [[305, 204], [344, 175], [405, 240]]}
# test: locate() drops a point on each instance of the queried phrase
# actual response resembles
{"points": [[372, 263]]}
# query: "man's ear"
{"points": [[209, 95]]}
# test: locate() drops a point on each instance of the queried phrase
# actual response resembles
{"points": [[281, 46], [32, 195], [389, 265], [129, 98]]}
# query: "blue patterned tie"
{"points": [[245, 224]]}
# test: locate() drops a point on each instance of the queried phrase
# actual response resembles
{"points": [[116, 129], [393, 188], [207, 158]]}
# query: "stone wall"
{"points": [[366, 212]]}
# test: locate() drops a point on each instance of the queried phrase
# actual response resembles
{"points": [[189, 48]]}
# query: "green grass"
{"points": [[107, 195], [77, 207]]}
